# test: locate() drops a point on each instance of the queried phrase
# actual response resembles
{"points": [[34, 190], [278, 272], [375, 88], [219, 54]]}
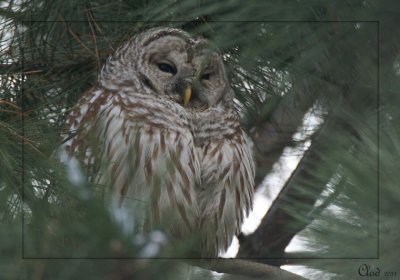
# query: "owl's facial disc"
{"points": [[210, 82], [187, 94], [200, 84], [194, 77]]}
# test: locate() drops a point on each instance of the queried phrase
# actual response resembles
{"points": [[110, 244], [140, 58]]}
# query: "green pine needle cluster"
{"points": [[339, 61]]}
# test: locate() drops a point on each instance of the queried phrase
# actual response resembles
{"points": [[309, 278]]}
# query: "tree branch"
{"points": [[277, 131], [282, 222], [245, 268], [42, 69]]}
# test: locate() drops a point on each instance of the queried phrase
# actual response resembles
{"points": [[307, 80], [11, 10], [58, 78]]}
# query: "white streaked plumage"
{"points": [[187, 170]]}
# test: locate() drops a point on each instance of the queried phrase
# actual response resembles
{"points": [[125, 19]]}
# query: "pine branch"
{"points": [[277, 131], [43, 69], [245, 268], [301, 258], [280, 225]]}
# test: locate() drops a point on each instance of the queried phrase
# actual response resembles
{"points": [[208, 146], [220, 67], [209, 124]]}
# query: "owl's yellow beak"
{"points": [[187, 94]]}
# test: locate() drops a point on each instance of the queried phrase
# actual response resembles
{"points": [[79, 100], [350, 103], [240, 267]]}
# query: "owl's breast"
{"points": [[149, 112], [225, 194]]}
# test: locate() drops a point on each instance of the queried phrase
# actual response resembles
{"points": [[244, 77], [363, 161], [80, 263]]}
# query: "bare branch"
{"points": [[280, 224], [245, 268], [276, 133]]}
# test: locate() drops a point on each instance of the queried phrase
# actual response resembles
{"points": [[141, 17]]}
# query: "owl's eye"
{"points": [[167, 68], [205, 76]]}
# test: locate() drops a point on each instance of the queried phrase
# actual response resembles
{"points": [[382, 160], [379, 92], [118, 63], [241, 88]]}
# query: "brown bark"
{"points": [[245, 268], [276, 133], [282, 222]]}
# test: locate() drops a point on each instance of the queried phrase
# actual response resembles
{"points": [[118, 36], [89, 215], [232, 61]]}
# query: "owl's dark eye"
{"points": [[205, 76], [165, 67]]}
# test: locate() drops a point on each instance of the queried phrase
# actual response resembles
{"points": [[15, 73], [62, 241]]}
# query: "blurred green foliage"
{"points": [[291, 54]]}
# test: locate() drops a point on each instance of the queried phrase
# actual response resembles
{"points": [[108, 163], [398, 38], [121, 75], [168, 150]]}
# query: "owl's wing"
{"points": [[147, 159], [78, 150], [227, 194]]}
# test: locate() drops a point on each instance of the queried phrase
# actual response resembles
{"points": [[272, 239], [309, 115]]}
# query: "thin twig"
{"points": [[9, 103], [92, 29], [77, 38]]}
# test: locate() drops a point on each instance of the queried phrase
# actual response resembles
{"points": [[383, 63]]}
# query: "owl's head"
{"points": [[170, 63]]}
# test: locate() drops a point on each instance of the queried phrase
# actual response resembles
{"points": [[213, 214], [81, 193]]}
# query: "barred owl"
{"points": [[160, 128]]}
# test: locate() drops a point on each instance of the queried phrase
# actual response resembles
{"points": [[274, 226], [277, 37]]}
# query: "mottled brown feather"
{"points": [[221, 203]]}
